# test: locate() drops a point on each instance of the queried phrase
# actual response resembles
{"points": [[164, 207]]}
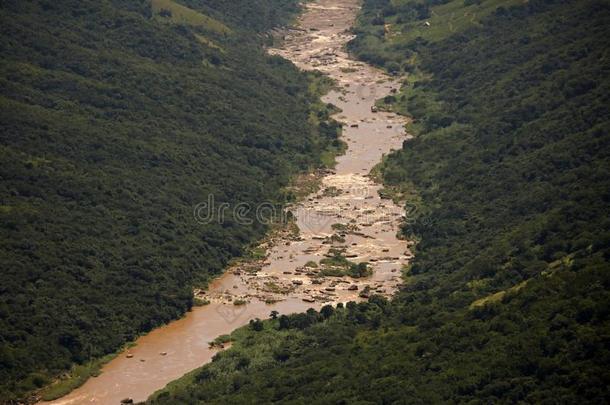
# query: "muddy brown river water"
{"points": [[282, 281]]}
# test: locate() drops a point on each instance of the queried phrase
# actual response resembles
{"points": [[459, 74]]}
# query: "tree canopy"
{"points": [[507, 298], [117, 118]]}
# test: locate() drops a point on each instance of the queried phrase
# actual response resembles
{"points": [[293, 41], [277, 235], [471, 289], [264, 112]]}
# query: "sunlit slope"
{"points": [[507, 299], [169, 10], [387, 28], [444, 19]]}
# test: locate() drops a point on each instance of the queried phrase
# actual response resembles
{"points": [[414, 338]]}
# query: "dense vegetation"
{"points": [[508, 297], [117, 118], [255, 15]]}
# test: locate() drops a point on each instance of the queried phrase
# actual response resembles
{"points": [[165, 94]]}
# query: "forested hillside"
{"points": [[254, 15], [117, 118], [507, 299]]}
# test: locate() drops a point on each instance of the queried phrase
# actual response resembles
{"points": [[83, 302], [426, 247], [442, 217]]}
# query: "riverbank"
{"points": [[347, 246], [507, 209], [107, 160]]}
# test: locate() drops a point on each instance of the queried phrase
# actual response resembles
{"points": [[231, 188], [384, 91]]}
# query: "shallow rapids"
{"points": [[365, 227]]}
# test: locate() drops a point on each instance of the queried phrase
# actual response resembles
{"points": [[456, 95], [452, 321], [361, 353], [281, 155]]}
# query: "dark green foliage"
{"points": [[114, 126], [507, 300], [527, 349], [338, 265], [256, 325], [513, 167]]}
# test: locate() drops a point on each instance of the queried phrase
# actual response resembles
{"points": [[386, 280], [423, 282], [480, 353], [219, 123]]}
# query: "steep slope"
{"points": [[511, 155], [117, 120], [508, 298], [254, 15]]}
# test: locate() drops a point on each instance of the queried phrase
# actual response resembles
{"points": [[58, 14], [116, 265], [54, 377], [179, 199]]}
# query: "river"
{"points": [[281, 281]]}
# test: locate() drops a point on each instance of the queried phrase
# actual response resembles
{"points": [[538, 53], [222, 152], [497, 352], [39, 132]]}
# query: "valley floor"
{"points": [[344, 223]]}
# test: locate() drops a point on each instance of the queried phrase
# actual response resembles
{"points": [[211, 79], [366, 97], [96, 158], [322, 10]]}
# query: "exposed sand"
{"points": [[347, 197]]}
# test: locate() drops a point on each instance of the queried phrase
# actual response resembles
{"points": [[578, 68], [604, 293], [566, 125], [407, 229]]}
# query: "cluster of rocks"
{"points": [[366, 223], [324, 59]]}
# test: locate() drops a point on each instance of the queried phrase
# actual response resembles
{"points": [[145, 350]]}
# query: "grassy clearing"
{"points": [[179, 14], [448, 19], [497, 297], [209, 42]]}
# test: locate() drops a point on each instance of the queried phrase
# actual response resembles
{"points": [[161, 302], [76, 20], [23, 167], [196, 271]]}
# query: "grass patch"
{"points": [[446, 20], [76, 377], [274, 288], [165, 10], [221, 340], [209, 42], [200, 302], [497, 297]]}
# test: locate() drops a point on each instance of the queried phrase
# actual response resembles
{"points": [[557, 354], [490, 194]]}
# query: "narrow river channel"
{"points": [[282, 281]]}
